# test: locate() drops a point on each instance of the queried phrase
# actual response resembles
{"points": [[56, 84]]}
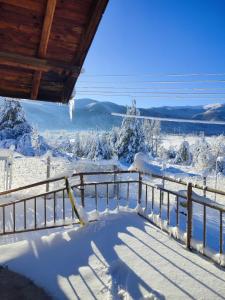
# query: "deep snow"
{"points": [[121, 256]]}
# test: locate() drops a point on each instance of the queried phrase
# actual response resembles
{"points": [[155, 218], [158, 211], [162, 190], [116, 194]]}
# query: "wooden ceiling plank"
{"points": [[35, 64], [46, 30], [36, 6], [50, 51]]}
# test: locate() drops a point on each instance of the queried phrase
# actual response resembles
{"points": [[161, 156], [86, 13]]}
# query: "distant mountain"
{"points": [[93, 114]]}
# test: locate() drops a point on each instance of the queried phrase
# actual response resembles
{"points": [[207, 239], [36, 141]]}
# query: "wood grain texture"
{"points": [[43, 45], [46, 29]]}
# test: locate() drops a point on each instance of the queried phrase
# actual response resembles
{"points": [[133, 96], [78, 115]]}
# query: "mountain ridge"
{"points": [[92, 114]]}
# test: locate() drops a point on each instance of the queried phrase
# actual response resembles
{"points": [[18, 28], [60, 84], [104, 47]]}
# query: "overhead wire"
{"points": [[154, 74]]}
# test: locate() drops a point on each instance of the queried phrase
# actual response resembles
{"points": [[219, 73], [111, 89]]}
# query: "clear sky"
{"points": [[146, 40]]}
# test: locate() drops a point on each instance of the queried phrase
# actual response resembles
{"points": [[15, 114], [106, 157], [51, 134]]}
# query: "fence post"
{"points": [[82, 189], [139, 187], [115, 186], [189, 215], [48, 172], [204, 185]]}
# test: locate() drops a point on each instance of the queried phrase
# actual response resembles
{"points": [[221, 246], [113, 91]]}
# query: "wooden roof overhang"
{"points": [[43, 44]]}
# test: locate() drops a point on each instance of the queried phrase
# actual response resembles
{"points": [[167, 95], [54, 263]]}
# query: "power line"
{"points": [[148, 88], [145, 96], [170, 119], [158, 82], [156, 93], [154, 74]]}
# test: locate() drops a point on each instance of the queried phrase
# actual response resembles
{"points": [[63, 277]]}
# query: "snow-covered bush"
{"points": [[167, 154], [183, 156], [131, 138]]}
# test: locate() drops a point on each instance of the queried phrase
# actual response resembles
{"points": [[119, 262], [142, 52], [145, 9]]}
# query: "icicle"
{"points": [[71, 107]]}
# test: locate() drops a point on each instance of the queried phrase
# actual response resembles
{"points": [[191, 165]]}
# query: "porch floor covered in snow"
{"points": [[121, 256]]}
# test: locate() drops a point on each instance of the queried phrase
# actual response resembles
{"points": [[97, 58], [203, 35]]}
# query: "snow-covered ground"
{"points": [[121, 256]]}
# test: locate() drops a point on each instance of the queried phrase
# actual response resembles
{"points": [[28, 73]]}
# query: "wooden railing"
{"points": [[190, 199], [53, 209]]}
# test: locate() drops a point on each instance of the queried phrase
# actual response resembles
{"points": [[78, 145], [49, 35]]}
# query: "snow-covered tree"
{"points": [[12, 120], [87, 139], [202, 155], [17, 132], [77, 146], [65, 145], [113, 138], [100, 148], [152, 133], [218, 146], [131, 138], [183, 155]]}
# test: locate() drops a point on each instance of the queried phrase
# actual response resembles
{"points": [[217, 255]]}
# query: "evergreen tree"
{"points": [[100, 148], [15, 130], [113, 138], [131, 138], [12, 120]]}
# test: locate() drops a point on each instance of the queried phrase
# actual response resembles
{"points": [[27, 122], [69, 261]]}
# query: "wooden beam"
{"points": [[46, 30], [47, 26], [35, 64], [96, 14], [35, 84]]}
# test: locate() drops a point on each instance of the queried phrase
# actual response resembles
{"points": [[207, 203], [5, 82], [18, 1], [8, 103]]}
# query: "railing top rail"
{"points": [[63, 188], [30, 185], [185, 183], [106, 172], [198, 201], [32, 197], [50, 180]]}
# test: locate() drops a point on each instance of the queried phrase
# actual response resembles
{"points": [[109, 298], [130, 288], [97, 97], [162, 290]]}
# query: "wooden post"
{"points": [[139, 188], [114, 178], [221, 232], [163, 185], [82, 189], [48, 172], [204, 185], [189, 215]]}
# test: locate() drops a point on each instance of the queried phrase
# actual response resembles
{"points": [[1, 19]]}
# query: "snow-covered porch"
{"points": [[120, 253], [121, 256]]}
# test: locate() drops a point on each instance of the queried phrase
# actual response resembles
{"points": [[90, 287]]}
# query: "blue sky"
{"points": [[147, 40]]}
